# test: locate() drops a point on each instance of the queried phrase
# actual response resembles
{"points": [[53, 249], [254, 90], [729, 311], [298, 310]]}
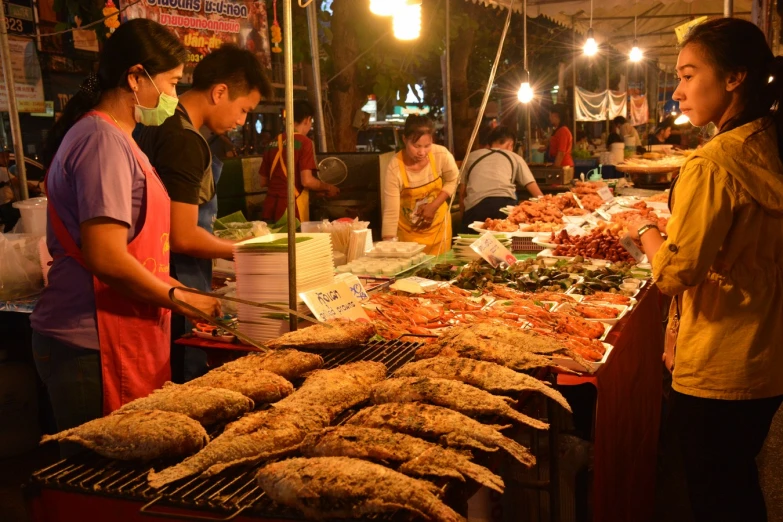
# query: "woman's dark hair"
{"points": [[562, 112], [732, 45], [417, 126], [619, 120], [135, 42], [501, 134]]}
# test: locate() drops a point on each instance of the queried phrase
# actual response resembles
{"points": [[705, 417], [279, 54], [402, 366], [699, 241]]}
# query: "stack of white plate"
{"points": [[463, 252], [261, 266]]}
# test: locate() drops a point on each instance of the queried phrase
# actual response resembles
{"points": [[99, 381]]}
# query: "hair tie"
{"points": [[91, 85]]}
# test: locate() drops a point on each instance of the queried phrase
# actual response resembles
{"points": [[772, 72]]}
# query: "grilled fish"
{"points": [[453, 395], [205, 405], [483, 350], [260, 385], [137, 435], [334, 335], [520, 339], [339, 487], [433, 422], [485, 375], [280, 429], [418, 457], [289, 364]]}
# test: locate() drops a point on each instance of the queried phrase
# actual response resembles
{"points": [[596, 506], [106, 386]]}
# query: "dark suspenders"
{"points": [[492, 151]]}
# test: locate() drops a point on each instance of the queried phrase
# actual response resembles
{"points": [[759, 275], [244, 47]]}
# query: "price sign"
{"points": [[605, 194], [493, 252], [578, 201], [632, 249], [575, 230], [603, 214], [335, 301], [19, 17]]}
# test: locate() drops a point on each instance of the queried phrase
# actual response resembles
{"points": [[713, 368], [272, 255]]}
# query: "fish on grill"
{"points": [[340, 487], [280, 429], [483, 350], [522, 340], [288, 364], [260, 385], [416, 456], [205, 405], [449, 427], [333, 335], [485, 375], [453, 395], [137, 435]]}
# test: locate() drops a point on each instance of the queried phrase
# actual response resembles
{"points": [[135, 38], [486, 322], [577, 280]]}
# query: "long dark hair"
{"points": [[135, 42], [732, 45]]}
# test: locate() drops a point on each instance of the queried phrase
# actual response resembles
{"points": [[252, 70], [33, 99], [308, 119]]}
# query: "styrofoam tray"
{"points": [[377, 253], [571, 364], [426, 260], [622, 308]]}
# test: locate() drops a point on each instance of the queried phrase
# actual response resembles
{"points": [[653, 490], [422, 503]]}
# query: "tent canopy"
{"points": [[613, 20]]}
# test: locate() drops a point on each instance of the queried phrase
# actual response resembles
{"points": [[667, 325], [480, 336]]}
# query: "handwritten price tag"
{"points": [[605, 194], [632, 249], [493, 252], [575, 230], [603, 214], [334, 301]]}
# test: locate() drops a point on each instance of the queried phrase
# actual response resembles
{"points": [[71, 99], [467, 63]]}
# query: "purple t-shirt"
{"points": [[94, 174]]}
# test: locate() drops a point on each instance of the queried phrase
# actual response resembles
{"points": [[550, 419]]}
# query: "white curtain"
{"points": [[599, 106], [618, 104], [640, 114]]}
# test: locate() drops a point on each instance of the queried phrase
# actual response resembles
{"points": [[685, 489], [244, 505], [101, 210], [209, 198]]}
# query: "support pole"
{"points": [[315, 53], [288, 46], [573, 73], [13, 110], [447, 86], [607, 89], [728, 8], [528, 109]]}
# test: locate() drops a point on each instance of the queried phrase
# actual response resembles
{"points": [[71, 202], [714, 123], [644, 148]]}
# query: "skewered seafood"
{"points": [[137, 435], [340, 487], [334, 335], [418, 457], [485, 375], [260, 385], [454, 395], [449, 427], [205, 405]]}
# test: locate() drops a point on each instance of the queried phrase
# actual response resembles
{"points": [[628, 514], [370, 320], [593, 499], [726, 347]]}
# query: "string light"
{"points": [[636, 54], [407, 21], [525, 93], [386, 7], [682, 118], [591, 47]]}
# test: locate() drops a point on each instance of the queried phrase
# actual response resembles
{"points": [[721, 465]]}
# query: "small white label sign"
{"points": [[578, 201], [334, 301], [603, 214], [605, 194], [632, 249], [493, 252], [575, 230]]}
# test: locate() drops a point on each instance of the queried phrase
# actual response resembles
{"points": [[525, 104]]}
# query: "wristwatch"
{"points": [[645, 228]]}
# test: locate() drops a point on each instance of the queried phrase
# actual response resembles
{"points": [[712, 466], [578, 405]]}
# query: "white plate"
{"points": [[545, 244], [622, 308], [571, 364]]}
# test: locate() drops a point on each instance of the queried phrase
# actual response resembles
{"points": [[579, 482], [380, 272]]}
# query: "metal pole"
{"points": [[447, 87], [528, 111], [288, 46], [315, 52], [573, 73], [13, 110], [728, 8], [608, 90]]}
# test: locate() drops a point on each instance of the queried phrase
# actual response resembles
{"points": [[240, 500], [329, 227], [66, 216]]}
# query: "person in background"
{"points": [[625, 130], [661, 133], [583, 143], [419, 182], [101, 326], [227, 84], [491, 179], [274, 173], [562, 141], [721, 262]]}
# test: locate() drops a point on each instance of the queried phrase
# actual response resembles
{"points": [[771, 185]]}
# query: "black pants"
{"points": [[486, 208], [719, 441]]}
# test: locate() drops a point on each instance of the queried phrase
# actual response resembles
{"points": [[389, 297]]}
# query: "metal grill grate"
{"points": [[231, 492]]}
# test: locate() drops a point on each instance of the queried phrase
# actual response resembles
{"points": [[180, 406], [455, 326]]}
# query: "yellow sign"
{"points": [[683, 30]]}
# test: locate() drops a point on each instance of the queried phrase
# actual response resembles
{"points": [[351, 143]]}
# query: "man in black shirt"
{"points": [[227, 84]]}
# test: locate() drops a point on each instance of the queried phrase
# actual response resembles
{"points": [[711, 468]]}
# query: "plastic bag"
{"points": [[238, 231], [20, 266]]}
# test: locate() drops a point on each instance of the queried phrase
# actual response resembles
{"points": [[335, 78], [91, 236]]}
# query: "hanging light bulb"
{"points": [[682, 118], [407, 21], [525, 93], [636, 53], [385, 7], [591, 47]]}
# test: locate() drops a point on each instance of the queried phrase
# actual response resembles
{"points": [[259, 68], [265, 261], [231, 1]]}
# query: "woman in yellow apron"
{"points": [[419, 183]]}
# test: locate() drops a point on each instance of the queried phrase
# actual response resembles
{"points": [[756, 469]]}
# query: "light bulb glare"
{"points": [[385, 7], [591, 47], [525, 93], [407, 22], [682, 118], [636, 54]]}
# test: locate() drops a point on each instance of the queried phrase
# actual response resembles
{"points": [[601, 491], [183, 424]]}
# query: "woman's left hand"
{"points": [[635, 225]]}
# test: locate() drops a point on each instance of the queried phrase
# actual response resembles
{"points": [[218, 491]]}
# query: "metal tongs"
{"points": [[233, 331]]}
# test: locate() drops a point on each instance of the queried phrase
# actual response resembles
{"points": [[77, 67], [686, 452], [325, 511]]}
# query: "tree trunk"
{"points": [[460, 103], [343, 93]]}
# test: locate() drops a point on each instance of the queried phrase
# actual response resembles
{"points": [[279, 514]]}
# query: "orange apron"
{"points": [[437, 236], [302, 198], [133, 336]]}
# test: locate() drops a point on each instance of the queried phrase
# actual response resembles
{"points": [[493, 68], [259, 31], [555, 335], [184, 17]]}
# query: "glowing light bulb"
{"points": [[525, 93], [591, 46], [385, 7], [636, 54], [407, 21], [682, 118]]}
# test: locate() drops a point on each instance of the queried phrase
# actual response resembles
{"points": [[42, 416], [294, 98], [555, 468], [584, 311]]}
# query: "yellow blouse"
{"points": [[723, 258]]}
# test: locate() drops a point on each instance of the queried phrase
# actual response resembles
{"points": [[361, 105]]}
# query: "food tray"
{"points": [[526, 242], [544, 244], [622, 308], [638, 169], [377, 252], [579, 298], [478, 226], [570, 291], [593, 367], [426, 260]]}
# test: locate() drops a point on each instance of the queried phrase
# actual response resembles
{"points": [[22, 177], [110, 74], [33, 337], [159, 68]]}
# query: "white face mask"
{"points": [[152, 117]]}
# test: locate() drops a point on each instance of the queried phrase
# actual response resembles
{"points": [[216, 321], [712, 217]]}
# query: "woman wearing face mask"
{"points": [[101, 327], [419, 182], [721, 262]]}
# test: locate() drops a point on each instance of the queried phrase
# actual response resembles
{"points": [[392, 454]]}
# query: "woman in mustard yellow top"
{"points": [[721, 261]]}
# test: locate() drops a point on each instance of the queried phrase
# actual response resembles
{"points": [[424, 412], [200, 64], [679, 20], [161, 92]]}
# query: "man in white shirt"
{"points": [[491, 179]]}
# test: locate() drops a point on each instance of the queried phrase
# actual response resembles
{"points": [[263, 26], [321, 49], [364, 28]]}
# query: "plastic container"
{"points": [[618, 153], [33, 215], [309, 227]]}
